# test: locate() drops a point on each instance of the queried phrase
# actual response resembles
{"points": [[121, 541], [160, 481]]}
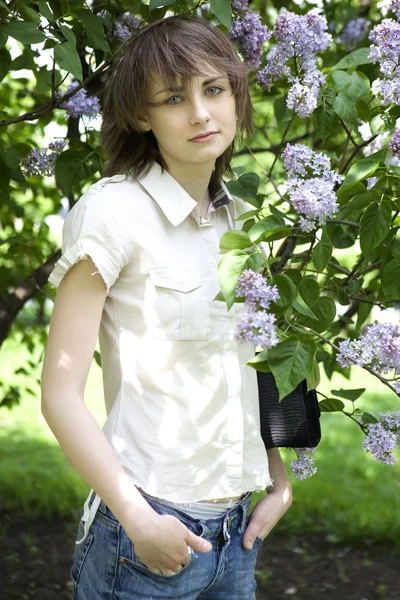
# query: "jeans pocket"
{"points": [[137, 565]]}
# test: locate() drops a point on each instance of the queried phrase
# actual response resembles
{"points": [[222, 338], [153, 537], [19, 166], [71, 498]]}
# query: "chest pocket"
{"points": [[177, 305]]}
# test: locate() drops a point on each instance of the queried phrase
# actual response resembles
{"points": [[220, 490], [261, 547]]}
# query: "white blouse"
{"points": [[182, 406]]}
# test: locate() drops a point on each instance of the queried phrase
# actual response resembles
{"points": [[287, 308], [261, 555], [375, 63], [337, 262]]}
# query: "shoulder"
{"points": [[109, 199]]}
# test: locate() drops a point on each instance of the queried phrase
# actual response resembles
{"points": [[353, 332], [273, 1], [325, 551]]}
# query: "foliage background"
{"points": [[39, 56]]}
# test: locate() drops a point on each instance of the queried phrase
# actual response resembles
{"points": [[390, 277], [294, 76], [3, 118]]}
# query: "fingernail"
{"points": [[249, 546]]}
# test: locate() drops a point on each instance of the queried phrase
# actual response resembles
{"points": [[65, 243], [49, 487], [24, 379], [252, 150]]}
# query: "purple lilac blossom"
{"points": [[300, 38], [389, 6], [255, 289], [240, 5], [381, 443], [353, 32], [257, 328], [303, 467], [42, 162], [386, 51], [391, 422], [250, 34], [378, 347], [394, 144], [125, 25], [80, 103], [310, 185]]}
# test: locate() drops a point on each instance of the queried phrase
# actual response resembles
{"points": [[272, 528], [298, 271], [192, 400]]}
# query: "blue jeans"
{"points": [[105, 566]]}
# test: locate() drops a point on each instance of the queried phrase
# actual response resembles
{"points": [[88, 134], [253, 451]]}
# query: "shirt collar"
{"points": [[173, 200]]}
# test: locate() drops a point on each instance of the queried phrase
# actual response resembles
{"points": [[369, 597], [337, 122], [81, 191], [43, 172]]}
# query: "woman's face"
{"points": [[209, 107]]}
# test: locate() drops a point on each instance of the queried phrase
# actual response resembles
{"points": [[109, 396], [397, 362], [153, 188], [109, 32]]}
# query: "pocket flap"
{"points": [[175, 279]]}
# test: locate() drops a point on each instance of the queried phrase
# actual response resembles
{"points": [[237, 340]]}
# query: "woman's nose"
{"points": [[199, 110]]}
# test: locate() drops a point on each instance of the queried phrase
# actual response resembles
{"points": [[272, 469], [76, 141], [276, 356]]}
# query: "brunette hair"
{"points": [[171, 47]]}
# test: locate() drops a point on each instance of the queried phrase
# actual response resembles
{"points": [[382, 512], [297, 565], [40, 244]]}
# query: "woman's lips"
{"points": [[204, 138]]}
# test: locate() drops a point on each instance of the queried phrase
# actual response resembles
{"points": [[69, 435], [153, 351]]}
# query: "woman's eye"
{"points": [[215, 88], [169, 100]]}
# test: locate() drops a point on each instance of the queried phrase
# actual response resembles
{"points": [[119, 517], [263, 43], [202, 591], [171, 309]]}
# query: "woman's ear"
{"points": [[143, 123]]}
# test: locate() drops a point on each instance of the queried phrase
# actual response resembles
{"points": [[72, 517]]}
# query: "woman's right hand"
{"points": [[163, 545]]}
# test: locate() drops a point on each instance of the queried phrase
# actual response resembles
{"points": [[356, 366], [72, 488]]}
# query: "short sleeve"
{"points": [[95, 228]]}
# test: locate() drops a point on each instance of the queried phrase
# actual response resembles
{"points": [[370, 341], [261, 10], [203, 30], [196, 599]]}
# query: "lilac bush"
{"points": [[300, 38], [311, 185], [250, 34], [42, 162], [80, 103]]}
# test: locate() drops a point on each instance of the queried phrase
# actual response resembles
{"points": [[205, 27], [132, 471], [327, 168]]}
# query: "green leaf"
{"points": [[325, 311], [303, 309], [309, 291], [360, 170], [314, 376], [68, 59], [222, 9], [255, 262], [5, 63], [158, 3], [322, 252], [358, 57], [325, 119], [352, 394], [250, 182], [345, 108], [68, 34], [3, 35], [369, 418], [25, 32], [260, 362], [45, 11], [391, 280], [374, 225], [74, 166], [95, 31], [290, 362], [362, 315], [233, 240], [268, 225], [355, 86], [331, 405], [229, 268], [287, 290]]}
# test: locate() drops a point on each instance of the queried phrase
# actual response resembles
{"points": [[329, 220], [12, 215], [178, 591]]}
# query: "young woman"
{"points": [[173, 469]]}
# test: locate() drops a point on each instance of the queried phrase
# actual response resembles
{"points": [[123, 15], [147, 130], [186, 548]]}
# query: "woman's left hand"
{"points": [[266, 514]]}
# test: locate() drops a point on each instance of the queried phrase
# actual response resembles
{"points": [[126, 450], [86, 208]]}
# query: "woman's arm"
{"points": [[69, 352], [271, 508]]}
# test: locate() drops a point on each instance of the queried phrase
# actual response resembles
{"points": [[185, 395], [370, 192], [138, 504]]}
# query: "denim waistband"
{"points": [[233, 518]]}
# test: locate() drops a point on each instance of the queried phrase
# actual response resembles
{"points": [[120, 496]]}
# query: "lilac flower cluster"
{"points": [[125, 25], [390, 6], [240, 5], [353, 32], [303, 467], [249, 33], [378, 347], [300, 39], [394, 144], [384, 437], [80, 103], [311, 184], [42, 162], [256, 327], [386, 51]]}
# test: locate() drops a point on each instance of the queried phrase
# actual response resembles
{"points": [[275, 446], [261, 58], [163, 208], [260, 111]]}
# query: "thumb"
{"points": [[249, 538], [198, 543]]}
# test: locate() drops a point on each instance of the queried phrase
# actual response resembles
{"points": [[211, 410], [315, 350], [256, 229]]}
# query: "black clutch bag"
{"points": [[292, 423]]}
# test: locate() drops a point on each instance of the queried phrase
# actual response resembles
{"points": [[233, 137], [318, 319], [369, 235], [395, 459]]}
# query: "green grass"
{"points": [[353, 497]]}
